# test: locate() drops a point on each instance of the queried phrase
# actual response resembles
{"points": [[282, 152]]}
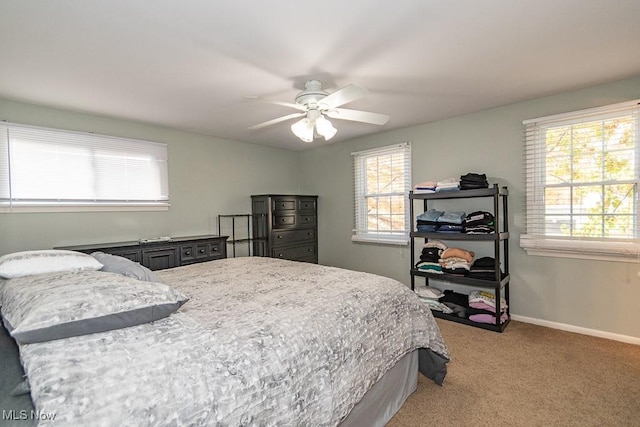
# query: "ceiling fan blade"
{"points": [[284, 104], [278, 120], [358, 116], [343, 96]]}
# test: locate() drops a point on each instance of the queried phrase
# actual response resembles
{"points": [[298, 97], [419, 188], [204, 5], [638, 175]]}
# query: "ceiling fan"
{"points": [[314, 104]]}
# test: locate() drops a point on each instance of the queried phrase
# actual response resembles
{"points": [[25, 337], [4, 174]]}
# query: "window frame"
{"points": [[104, 156], [360, 232], [533, 240]]}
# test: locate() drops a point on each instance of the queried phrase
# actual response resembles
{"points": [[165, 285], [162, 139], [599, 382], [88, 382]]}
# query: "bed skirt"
{"points": [[387, 396]]}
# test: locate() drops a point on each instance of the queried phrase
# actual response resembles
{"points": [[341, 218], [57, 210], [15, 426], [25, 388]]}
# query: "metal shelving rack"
{"points": [[500, 240], [239, 220]]}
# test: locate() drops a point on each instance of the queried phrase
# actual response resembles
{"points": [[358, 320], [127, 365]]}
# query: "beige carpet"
{"points": [[528, 376]]}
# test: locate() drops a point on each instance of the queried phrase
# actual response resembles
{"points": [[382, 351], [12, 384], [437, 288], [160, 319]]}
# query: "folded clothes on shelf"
{"points": [[471, 181], [455, 217], [488, 318], [458, 253], [479, 222], [428, 292], [487, 298], [430, 215], [429, 267], [425, 187], [449, 184], [435, 243]]}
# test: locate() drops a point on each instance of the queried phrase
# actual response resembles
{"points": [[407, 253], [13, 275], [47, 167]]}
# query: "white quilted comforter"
{"points": [[260, 342]]}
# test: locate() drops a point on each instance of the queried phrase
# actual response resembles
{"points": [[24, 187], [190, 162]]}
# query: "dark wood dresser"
{"points": [[165, 254], [285, 226]]}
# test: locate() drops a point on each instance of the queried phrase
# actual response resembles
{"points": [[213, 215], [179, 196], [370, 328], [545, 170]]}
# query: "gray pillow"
{"points": [[51, 306], [117, 264]]}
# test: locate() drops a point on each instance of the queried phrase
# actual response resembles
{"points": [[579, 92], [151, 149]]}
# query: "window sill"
{"points": [[581, 249], [381, 240], [82, 208]]}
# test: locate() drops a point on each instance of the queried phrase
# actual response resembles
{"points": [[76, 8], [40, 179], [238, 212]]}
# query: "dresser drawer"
{"points": [[293, 220], [217, 250], [187, 253], [296, 253], [306, 220], [287, 237], [284, 220], [284, 204], [159, 259], [307, 204], [192, 252], [201, 252]]}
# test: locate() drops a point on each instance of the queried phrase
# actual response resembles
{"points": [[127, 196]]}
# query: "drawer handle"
{"points": [[279, 237], [201, 251], [309, 250], [214, 249], [284, 205], [309, 234], [188, 253], [306, 219], [280, 255]]}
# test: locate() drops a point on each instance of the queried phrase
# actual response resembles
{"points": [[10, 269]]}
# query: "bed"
{"points": [[241, 341]]}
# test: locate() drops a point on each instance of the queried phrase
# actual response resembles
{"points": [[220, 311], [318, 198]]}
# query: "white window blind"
{"points": [[382, 178], [582, 171], [43, 167]]}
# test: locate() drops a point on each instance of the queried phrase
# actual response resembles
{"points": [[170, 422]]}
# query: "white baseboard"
{"points": [[577, 329]]}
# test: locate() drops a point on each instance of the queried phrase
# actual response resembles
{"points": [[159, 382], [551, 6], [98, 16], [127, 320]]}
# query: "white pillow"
{"points": [[28, 263]]}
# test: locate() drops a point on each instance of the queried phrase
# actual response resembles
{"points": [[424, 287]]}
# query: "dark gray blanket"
{"points": [[15, 403]]}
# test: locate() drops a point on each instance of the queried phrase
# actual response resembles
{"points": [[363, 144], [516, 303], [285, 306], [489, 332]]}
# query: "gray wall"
{"points": [[207, 177], [597, 295]]}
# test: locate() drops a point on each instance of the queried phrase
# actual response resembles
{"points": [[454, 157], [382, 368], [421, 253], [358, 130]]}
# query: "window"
{"points": [[382, 179], [51, 170], [582, 172]]}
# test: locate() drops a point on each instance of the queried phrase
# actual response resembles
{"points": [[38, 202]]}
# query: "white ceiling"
{"points": [[190, 64]]}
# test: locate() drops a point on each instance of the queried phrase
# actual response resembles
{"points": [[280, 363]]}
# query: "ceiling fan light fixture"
{"points": [[303, 129], [315, 104], [325, 128]]}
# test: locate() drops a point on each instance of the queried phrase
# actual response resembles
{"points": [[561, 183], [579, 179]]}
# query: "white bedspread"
{"points": [[261, 342]]}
